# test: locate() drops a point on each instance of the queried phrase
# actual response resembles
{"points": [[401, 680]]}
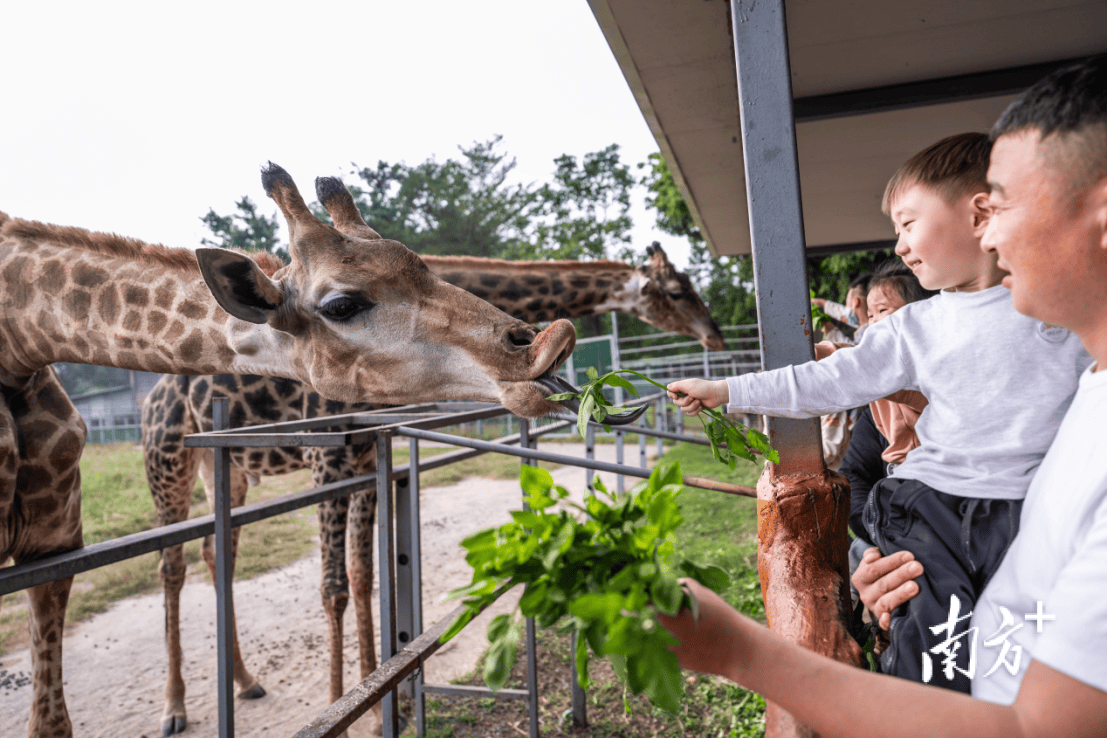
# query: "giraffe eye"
{"points": [[341, 308]]}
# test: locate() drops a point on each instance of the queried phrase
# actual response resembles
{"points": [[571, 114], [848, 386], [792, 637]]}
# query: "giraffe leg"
{"points": [[49, 716], [363, 507], [171, 473], [334, 587], [248, 686]]}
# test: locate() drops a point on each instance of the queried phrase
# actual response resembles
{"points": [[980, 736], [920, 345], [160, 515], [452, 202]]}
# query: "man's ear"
{"points": [[981, 208], [1099, 207], [239, 285]]}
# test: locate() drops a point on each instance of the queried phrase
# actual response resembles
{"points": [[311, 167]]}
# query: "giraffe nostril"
{"points": [[520, 336]]}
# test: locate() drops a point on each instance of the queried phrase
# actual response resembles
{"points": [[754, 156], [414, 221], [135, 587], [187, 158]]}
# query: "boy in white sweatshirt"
{"points": [[998, 383]]}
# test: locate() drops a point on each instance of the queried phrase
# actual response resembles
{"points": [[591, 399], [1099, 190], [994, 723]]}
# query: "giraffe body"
{"points": [[556, 290], [358, 318]]}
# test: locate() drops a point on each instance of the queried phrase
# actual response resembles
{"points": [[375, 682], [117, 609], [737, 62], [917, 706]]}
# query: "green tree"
{"points": [[245, 229], [458, 207], [584, 211]]}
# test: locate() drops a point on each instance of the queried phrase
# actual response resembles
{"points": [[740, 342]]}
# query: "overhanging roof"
{"points": [[874, 81]]}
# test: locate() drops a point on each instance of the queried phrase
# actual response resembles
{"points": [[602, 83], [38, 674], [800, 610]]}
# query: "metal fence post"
{"points": [[387, 547], [589, 452], [617, 360], [224, 573], [803, 511], [532, 635], [417, 581]]}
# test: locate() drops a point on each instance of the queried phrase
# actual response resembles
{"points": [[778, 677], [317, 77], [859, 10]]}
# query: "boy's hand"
{"points": [[886, 582], [693, 395]]}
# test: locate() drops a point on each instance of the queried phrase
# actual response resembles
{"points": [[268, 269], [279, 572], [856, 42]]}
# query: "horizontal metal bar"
{"points": [[464, 690], [526, 453], [956, 88], [435, 462], [355, 703], [29, 574], [279, 439]]}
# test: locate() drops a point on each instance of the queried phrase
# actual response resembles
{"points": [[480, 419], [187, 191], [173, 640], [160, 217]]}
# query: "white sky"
{"points": [[137, 117]]}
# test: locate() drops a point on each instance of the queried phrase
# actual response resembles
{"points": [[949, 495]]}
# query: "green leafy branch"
{"points": [[818, 315], [730, 441], [604, 576]]}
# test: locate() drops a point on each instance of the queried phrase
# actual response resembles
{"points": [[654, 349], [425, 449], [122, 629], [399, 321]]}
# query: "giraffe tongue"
{"points": [[557, 385]]}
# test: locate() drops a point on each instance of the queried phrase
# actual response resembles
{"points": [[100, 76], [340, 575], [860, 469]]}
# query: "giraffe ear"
{"points": [[239, 285]]}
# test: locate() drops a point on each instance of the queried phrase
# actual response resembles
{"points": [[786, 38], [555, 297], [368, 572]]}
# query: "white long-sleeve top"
{"points": [[998, 383]]}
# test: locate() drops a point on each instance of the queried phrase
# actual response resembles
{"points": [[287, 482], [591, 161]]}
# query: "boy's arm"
{"points": [[846, 379], [823, 693]]}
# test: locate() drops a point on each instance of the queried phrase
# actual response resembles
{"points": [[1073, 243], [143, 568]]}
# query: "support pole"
{"points": [[802, 509], [531, 634], [386, 541], [224, 574]]}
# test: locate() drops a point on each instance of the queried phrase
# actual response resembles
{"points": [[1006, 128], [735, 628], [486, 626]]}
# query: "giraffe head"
{"points": [[361, 318], [672, 304]]}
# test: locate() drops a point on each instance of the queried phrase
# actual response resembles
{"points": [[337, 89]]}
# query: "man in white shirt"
{"points": [[1048, 179]]}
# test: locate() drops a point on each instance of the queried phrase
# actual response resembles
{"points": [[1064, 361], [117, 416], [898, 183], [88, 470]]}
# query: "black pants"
{"points": [[960, 542]]}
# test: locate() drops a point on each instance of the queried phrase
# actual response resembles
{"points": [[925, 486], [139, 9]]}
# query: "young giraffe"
{"points": [[177, 406], [359, 319]]}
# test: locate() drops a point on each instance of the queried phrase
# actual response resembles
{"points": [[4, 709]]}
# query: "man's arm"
{"points": [[823, 693]]}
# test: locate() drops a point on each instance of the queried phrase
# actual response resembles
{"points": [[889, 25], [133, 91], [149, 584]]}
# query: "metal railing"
{"points": [[398, 539]]}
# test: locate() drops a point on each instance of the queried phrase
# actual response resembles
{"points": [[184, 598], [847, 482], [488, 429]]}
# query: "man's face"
{"points": [[1042, 232], [855, 301], [938, 239]]}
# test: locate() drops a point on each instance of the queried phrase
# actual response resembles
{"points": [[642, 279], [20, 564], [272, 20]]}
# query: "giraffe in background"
{"points": [[359, 319]]}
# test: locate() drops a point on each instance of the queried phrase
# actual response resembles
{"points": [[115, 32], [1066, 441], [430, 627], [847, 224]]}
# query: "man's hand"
{"points": [[704, 643], [693, 395], [886, 582]]}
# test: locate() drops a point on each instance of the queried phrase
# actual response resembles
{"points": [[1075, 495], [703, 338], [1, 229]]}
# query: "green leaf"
{"points": [[498, 661], [590, 607], [458, 625], [534, 480], [526, 519], [499, 626], [711, 576], [592, 373], [582, 661], [667, 594], [533, 598], [476, 588], [562, 396]]}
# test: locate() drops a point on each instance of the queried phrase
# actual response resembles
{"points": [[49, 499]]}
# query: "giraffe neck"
{"points": [[538, 291], [74, 296]]}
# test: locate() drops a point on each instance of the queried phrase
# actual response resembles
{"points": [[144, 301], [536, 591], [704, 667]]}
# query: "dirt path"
{"points": [[115, 662]]}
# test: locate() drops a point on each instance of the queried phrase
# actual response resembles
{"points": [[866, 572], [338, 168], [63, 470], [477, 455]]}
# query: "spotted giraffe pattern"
{"points": [[181, 405], [654, 292], [341, 315]]}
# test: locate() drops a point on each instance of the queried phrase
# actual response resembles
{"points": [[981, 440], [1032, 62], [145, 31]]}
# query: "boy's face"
{"points": [[940, 240], [883, 302], [1044, 235]]}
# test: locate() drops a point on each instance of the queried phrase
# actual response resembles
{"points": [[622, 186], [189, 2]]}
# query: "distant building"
{"points": [[113, 415]]}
